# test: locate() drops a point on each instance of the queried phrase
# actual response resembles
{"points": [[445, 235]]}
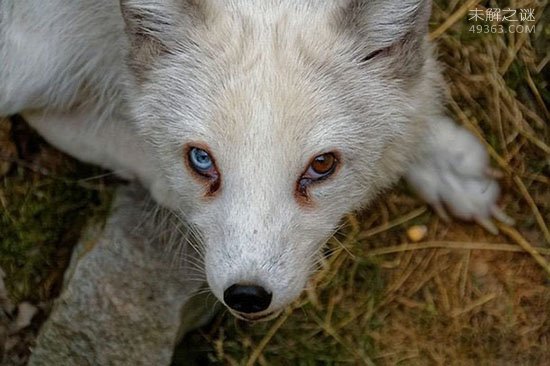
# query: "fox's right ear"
{"points": [[155, 27]]}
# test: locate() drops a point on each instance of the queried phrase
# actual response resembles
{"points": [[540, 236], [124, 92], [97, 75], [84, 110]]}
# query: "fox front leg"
{"points": [[453, 174]]}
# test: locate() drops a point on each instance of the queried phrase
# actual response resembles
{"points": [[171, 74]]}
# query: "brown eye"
{"points": [[323, 164], [320, 168]]}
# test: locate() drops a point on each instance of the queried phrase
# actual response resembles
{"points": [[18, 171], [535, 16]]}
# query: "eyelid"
{"points": [[312, 174], [375, 54], [211, 173]]}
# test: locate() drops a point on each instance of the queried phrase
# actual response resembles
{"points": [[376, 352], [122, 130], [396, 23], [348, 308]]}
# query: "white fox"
{"points": [[261, 123]]}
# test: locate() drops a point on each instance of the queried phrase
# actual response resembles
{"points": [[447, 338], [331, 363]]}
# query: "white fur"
{"points": [[267, 85]]}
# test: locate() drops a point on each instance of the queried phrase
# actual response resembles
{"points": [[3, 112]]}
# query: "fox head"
{"points": [[270, 120]]}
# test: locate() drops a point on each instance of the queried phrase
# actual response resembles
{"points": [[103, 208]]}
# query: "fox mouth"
{"points": [[256, 317]]}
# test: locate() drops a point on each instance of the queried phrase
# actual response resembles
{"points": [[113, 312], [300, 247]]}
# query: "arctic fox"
{"points": [[261, 123]]}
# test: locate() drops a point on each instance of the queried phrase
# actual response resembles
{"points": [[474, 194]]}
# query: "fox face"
{"points": [[271, 120]]}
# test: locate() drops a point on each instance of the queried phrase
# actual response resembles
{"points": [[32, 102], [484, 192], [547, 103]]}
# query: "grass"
{"points": [[459, 296], [45, 201]]}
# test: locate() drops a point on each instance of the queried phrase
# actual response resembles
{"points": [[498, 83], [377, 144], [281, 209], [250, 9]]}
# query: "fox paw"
{"points": [[456, 178]]}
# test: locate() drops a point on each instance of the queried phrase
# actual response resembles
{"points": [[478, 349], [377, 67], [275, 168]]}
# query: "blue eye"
{"points": [[203, 165], [200, 160]]}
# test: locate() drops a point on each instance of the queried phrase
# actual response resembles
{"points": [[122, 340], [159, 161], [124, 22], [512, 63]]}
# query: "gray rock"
{"points": [[129, 295]]}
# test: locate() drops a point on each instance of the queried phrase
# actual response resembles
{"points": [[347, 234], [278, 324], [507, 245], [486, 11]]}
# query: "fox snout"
{"points": [[258, 270], [254, 284]]}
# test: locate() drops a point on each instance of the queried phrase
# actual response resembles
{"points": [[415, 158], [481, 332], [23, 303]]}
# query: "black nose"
{"points": [[247, 298]]}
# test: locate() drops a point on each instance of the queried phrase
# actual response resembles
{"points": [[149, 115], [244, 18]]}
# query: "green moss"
{"points": [[40, 220]]}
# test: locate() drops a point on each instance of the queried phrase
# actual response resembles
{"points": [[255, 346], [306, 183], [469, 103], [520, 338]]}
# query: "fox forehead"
{"points": [[268, 80]]}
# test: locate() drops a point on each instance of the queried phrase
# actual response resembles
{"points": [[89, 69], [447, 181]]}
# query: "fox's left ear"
{"points": [[384, 22], [399, 26]]}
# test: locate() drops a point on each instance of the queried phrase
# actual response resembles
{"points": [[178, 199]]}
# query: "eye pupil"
{"points": [[202, 157]]}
